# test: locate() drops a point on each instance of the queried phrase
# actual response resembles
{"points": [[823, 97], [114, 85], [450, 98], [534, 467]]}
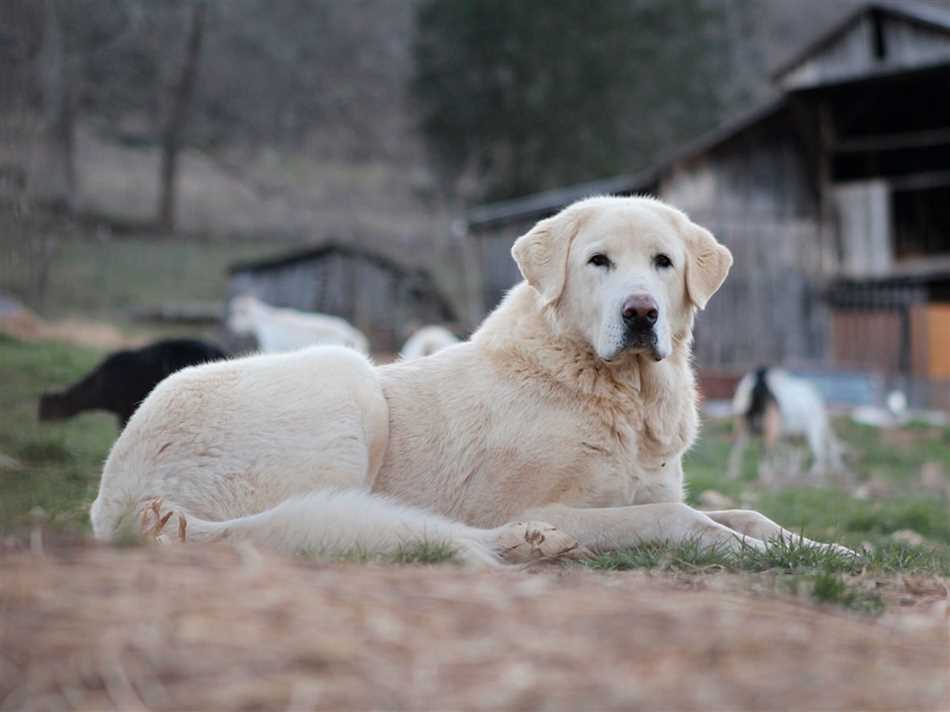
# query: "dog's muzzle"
{"points": [[640, 314]]}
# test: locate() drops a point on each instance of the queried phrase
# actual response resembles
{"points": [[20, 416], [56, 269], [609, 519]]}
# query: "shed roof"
{"points": [[320, 251], [334, 247]]}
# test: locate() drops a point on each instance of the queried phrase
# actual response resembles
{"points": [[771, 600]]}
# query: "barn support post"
{"points": [[827, 223]]}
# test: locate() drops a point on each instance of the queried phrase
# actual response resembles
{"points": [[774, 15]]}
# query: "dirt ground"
{"points": [[85, 627]]}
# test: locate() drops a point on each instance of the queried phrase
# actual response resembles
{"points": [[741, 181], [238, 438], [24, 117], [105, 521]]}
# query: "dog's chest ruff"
{"points": [[637, 460]]}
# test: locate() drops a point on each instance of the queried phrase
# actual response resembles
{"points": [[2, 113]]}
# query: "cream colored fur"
{"points": [[543, 415]]}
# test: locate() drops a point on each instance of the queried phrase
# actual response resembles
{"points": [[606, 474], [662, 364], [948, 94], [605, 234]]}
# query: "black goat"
{"points": [[125, 378]]}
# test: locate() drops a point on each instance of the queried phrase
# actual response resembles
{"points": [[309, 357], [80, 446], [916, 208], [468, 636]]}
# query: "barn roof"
{"points": [[929, 16], [549, 201], [539, 205]]}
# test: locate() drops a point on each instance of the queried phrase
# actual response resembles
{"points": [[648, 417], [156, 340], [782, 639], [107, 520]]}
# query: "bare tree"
{"points": [[177, 119], [53, 179]]}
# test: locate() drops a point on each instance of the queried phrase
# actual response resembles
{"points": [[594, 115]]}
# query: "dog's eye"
{"points": [[599, 260], [662, 261]]}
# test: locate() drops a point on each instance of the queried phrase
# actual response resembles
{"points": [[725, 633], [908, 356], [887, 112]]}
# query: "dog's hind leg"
{"points": [[336, 523]]}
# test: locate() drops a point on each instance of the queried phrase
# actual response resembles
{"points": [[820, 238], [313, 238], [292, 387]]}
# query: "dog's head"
{"points": [[624, 274]]}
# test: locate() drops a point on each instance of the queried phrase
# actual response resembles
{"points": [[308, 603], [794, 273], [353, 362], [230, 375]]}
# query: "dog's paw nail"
{"points": [[529, 541]]}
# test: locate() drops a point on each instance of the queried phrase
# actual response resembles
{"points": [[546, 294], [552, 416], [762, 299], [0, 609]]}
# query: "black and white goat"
{"points": [[124, 378]]}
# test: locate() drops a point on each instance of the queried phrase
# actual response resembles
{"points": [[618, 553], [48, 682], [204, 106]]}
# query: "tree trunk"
{"points": [[178, 117], [53, 175]]}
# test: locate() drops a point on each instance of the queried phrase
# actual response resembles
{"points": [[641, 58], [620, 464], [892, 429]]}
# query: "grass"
{"points": [[832, 513], [59, 466], [424, 552], [112, 277], [825, 577], [780, 557], [831, 589]]}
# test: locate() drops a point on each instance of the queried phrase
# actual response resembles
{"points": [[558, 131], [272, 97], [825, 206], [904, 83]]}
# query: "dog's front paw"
{"points": [[522, 542]]}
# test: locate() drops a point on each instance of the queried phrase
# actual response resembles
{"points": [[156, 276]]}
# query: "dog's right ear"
{"points": [[542, 253]]}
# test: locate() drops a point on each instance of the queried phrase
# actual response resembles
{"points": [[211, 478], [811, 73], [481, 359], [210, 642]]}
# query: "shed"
{"points": [[834, 197], [383, 298]]}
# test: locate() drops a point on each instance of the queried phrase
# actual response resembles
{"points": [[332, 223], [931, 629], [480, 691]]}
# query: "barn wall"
{"points": [[755, 195], [499, 271], [864, 222]]}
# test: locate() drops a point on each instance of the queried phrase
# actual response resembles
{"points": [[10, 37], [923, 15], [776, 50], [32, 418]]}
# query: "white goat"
{"points": [[772, 403], [279, 330], [426, 341]]}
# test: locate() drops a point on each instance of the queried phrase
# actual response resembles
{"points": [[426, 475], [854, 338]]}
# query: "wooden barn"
{"points": [[834, 198], [382, 298]]}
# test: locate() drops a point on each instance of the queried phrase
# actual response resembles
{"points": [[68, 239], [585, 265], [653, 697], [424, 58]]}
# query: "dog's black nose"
{"points": [[640, 310]]}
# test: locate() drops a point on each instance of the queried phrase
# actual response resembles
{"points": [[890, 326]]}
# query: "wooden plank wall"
{"points": [[754, 193]]}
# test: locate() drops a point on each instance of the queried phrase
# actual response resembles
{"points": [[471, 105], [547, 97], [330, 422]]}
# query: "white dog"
{"points": [[772, 403], [427, 341], [279, 330], [560, 426]]}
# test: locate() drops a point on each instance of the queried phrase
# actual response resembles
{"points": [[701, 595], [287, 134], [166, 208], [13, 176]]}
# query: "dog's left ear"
{"points": [[707, 264], [542, 253]]}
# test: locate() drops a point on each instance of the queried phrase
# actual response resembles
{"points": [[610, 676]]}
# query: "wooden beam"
{"points": [[894, 142], [920, 181]]}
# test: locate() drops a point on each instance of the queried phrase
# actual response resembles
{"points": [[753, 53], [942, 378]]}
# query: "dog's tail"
{"points": [[336, 523]]}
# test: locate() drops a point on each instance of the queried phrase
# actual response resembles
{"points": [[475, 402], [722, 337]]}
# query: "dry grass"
{"points": [[215, 628], [27, 326]]}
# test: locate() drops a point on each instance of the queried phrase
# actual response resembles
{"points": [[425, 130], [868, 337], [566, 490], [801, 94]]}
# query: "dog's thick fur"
{"points": [[554, 412]]}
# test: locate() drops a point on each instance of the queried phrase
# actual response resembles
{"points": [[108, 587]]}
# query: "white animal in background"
{"points": [[427, 341], [278, 330], [892, 416], [771, 403], [558, 428]]}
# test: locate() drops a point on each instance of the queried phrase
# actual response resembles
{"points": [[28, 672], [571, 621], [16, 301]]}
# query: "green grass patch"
{"points": [[425, 552], [894, 459], [779, 556], [831, 589], [898, 455], [108, 278], [59, 463]]}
